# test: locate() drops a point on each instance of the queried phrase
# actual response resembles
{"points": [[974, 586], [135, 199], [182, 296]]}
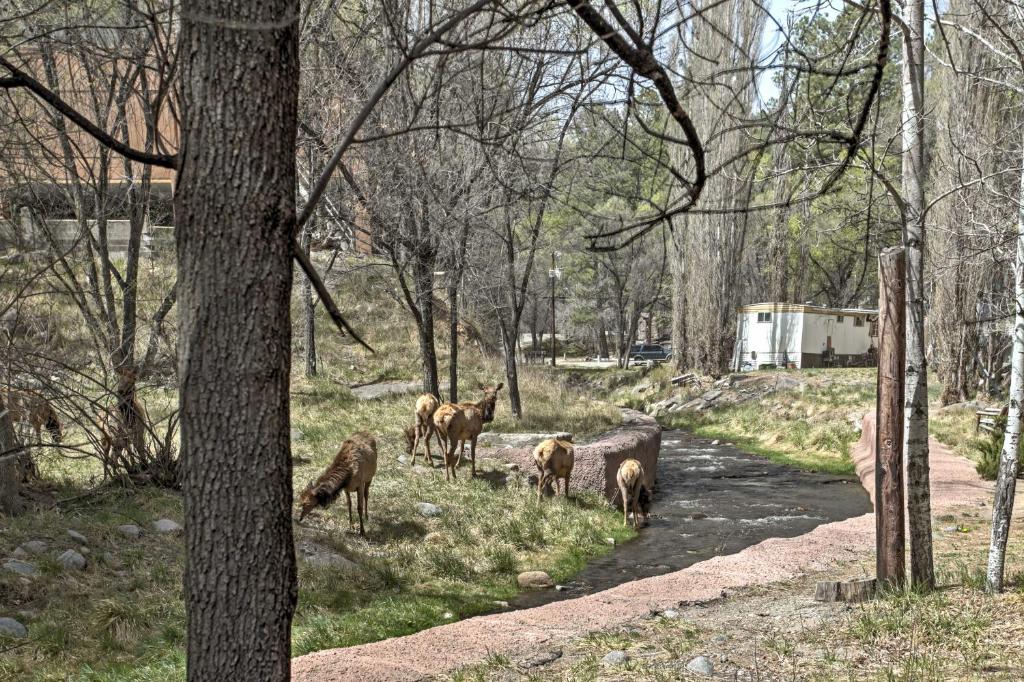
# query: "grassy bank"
{"points": [[122, 618], [779, 632]]}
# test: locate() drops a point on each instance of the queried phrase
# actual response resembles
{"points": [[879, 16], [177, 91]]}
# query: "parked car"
{"points": [[649, 351]]}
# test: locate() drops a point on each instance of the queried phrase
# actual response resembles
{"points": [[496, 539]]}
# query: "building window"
{"points": [[764, 317], [858, 321], [839, 319]]}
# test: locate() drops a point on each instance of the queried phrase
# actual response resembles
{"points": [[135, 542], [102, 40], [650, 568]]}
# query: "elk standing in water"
{"points": [[554, 459], [351, 471], [458, 423], [635, 495]]}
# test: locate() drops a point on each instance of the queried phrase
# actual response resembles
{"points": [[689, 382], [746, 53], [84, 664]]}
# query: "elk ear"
{"points": [[499, 386], [323, 496]]}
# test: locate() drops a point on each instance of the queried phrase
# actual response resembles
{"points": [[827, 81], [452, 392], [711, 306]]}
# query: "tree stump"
{"points": [[845, 590]]}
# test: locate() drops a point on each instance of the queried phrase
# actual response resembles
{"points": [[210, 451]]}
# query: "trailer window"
{"points": [[858, 321], [839, 319], [764, 317]]}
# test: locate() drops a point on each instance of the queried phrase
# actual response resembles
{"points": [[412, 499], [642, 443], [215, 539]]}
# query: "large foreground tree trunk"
{"points": [[235, 217], [1002, 507]]}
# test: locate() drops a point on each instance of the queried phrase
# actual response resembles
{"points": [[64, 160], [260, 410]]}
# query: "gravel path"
{"points": [[530, 634]]}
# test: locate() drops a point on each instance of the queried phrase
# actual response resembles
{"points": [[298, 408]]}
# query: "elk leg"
{"points": [[427, 430], [348, 499], [359, 504], [567, 485], [540, 486], [625, 505], [472, 456], [366, 500], [416, 443]]}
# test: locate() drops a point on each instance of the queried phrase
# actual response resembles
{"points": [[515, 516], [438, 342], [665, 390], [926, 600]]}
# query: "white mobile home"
{"points": [[792, 335]]}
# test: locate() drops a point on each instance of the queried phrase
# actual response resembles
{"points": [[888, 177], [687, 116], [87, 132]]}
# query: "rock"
{"points": [[615, 658], [296, 435], [167, 526], [112, 561], [696, 405], [534, 580], [697, 516], [701, 666], [72, 560], [21, 567], [949, 529], [447, 615], [325, 559], [35, 546], [129, 530], [711, 396], [541, 658], [427, 510], [501, 604], [715, 442], [402, 459], [670, 614], [77, 537], [643, 387], [610, 541], [12, 628], [19, 553], [512, 466], [83, 550], [560, 588], [28, 614]]}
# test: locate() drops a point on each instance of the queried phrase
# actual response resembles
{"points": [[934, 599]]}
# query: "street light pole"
{"points": [[552, 276]]}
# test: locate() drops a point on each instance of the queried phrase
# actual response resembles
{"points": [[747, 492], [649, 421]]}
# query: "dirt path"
{"points": [[522, 635]]}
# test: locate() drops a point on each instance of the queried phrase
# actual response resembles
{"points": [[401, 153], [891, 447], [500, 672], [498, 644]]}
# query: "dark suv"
{"points": [[647, 351]]}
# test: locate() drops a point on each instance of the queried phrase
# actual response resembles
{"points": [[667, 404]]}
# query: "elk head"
{"points": [[490, 398]]}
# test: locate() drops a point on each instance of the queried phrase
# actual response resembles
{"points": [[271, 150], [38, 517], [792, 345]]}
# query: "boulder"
{"points": [[327, 559], [615, 658], [77, 537], [167, 526], [21, 567], [34, 546], [428, 510], [12, 628], [701, 666], [129, 530], [534, 580], [72, 560]]}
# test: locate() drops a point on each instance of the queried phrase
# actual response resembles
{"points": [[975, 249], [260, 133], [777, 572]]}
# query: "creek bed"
{"points": [[713, 500]]}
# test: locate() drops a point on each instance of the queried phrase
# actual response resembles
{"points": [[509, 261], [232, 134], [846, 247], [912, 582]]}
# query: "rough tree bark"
{"points": [[922, 573], [1002, 507], [423, 281], [235, 218], [11, 502]]}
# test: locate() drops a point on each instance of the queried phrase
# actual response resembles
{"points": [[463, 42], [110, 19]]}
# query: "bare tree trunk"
{"points": [[1002, 507], [11, 502], [922, 571], [235, 219], [602, 336], [308, 311], [508, 343], [453, 351], [423, 277]]}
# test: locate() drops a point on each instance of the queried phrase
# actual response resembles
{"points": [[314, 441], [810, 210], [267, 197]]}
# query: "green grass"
{"points": [[123, 617]]}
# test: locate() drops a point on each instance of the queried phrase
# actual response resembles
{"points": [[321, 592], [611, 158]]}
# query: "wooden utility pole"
{"points": [[553, 277], [890, 540]]}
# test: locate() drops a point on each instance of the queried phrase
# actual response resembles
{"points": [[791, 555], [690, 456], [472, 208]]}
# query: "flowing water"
{"points": [[712, 500]]}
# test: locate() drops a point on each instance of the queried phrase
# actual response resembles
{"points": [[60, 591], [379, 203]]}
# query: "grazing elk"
{"points": [[635, 495], [423, 428], [35, 411], [351, 471], [457, 423], [554, 459]]}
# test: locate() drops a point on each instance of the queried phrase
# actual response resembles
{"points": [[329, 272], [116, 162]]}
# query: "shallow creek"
{"points": [[712, 500]]}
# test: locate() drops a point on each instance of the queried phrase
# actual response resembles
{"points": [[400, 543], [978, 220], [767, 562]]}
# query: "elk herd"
{"points": [[451, 426]]}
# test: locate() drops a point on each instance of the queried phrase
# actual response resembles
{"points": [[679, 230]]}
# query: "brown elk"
{"points": [[554, 459], [457, 423], [423, 428], [635, 495], [34, 410], [351, 471]]}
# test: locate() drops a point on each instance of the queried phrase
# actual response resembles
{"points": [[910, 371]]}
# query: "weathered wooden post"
{"points": [[890, 539]]}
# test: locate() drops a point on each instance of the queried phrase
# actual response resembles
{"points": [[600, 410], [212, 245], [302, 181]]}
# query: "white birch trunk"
{"points": [[916, 413], [1002, 507]]}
